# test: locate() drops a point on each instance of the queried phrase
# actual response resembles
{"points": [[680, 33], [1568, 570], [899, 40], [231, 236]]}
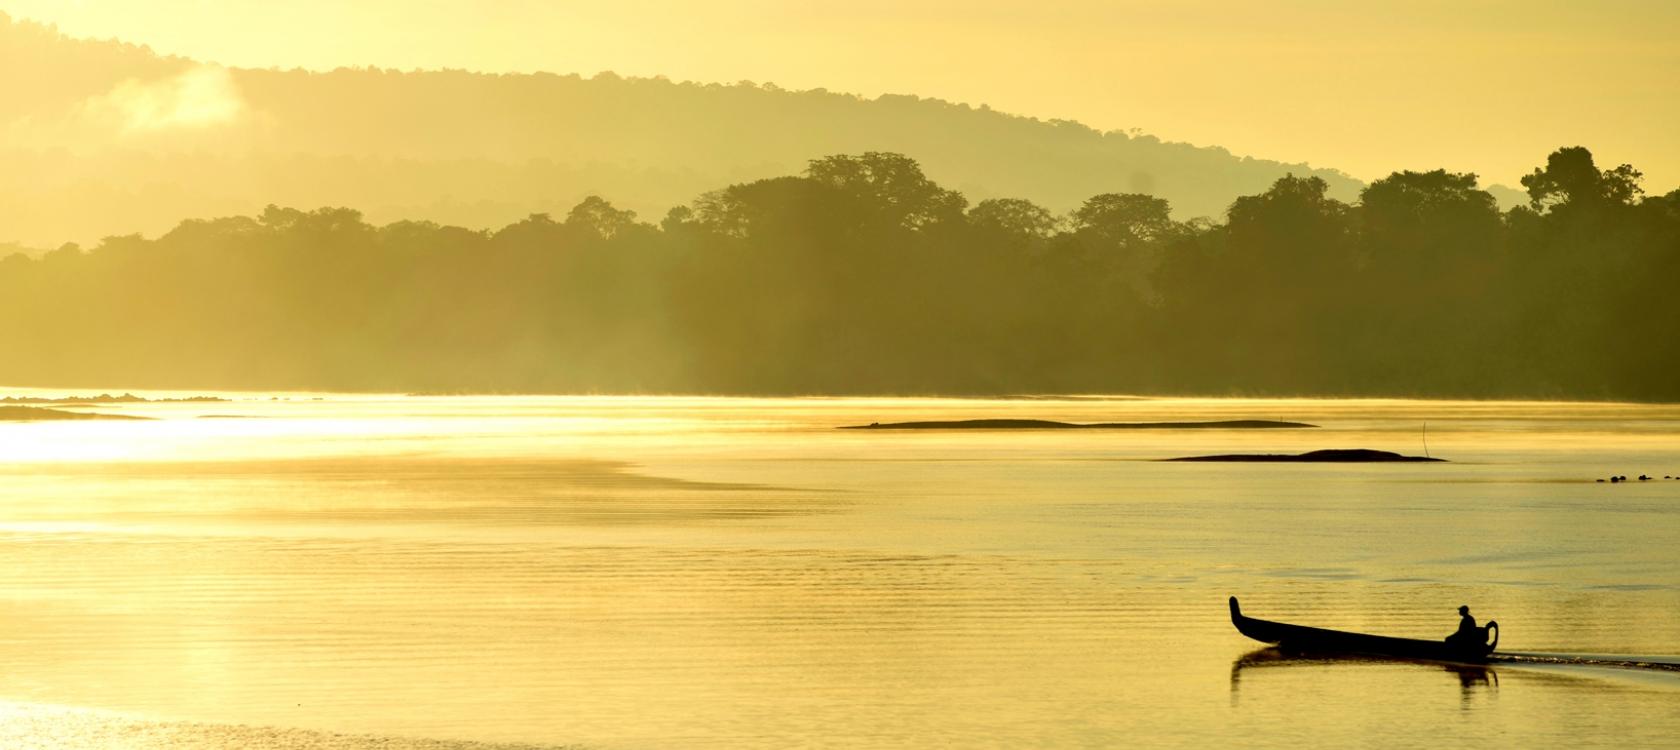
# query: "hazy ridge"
{"points": [[105, 138]]}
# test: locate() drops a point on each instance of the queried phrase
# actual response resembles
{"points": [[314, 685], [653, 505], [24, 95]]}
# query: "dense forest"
{"points": [[101, 137], [861, 275]]}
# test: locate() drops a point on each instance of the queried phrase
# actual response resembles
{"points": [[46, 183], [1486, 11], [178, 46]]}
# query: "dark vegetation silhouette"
{"points": [[864, 276], [90, 148]]}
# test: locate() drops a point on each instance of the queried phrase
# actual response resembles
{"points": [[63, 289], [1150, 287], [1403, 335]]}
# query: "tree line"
{"points": [[862, 275]]}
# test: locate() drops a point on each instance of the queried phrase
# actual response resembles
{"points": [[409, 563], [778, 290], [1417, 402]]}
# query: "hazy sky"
{"points": [[1367, 87]]}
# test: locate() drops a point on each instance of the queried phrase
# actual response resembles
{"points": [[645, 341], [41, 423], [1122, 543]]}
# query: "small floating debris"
{"points": [[1619, 478]]}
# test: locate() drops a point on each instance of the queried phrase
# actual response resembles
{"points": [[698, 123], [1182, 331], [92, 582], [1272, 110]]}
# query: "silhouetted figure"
{"points": [[1468, 633]]}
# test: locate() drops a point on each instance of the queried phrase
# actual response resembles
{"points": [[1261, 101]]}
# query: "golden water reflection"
{"points": [[736, 573]]}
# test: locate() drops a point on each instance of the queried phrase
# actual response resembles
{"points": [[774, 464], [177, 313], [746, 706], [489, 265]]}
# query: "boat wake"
{"points": [[1659, 664]]}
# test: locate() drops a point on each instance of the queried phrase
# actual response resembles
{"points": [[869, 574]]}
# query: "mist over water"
{"points": [[694, 572]]}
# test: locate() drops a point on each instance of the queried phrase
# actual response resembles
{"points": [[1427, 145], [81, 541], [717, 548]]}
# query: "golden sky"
{"points": [[1367, 87]]}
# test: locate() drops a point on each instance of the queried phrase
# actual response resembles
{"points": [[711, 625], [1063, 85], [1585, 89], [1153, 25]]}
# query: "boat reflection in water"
{"points": [[1470, 677]]}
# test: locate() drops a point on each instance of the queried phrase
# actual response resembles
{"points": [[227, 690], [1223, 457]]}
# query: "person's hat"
{"points": [[1464, 610]]}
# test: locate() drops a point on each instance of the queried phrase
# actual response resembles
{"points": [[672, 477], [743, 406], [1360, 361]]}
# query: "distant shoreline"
{"points": [[39, 414], [1045, 424], [106, 398]]}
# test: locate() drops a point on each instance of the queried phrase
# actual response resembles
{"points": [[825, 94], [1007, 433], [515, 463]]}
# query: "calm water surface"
{"points": [[454, 572]]}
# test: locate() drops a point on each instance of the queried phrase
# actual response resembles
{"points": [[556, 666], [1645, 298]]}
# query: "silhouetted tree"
{"points": [[1571, 179], [1124, 219], [677, 219], [891, 184], [1432, 287], [779, 205], [1014, 217], [599, 218]]}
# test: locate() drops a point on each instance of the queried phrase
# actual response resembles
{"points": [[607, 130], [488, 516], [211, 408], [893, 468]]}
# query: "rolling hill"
{"points": [[108, 138]]}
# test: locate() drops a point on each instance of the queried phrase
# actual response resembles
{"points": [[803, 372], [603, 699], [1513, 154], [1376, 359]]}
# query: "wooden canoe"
{"points": [[1299, 638]]}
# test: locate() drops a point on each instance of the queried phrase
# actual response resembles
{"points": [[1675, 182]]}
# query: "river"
{"points": [[329, 570]]}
